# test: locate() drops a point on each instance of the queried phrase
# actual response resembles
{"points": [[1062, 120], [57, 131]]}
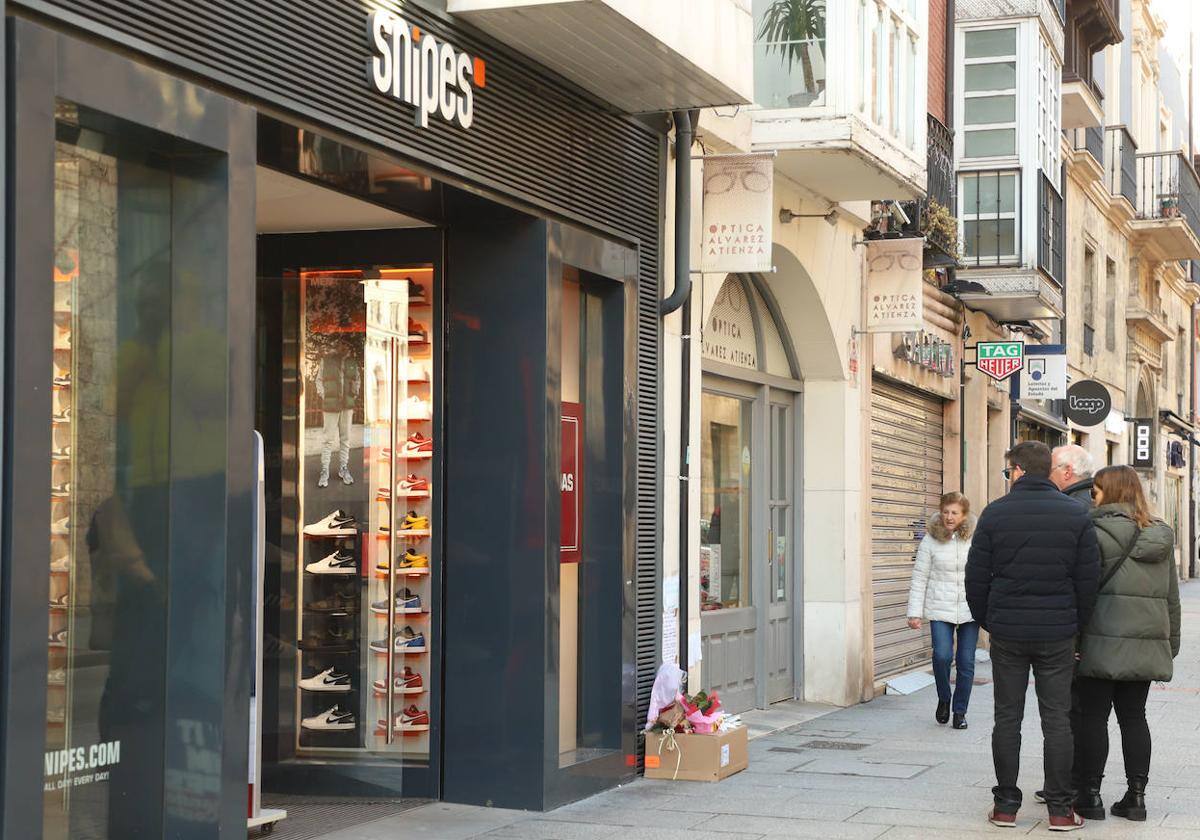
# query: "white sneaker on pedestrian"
{"points": [[323, 479], [344, 475]]}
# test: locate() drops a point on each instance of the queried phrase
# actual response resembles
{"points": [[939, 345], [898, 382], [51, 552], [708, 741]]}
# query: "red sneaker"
{"points": [[1068, 822], [996, 817], [413, 485]]}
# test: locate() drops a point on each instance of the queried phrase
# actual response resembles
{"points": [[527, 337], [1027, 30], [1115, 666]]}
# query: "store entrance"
{"points": [[348, 370]]}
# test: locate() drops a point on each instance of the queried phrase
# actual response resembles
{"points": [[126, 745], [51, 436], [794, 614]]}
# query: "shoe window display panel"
{"points": [[366, 454]]}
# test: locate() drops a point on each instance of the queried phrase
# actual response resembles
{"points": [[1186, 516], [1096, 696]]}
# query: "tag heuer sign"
{"points": [[1000, 359]]}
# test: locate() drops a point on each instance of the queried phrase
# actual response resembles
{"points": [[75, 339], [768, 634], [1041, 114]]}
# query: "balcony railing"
{"points": [[939, 163], [1090, 140], [1050, 230], [1167, 188], [1120, 163]]}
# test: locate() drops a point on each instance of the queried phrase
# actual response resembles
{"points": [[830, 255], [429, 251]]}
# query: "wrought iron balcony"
{"points": [[1120, 163], [1168, 203], [932, 216], [1089, 26]]}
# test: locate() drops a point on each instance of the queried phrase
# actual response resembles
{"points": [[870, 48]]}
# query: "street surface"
{"points": [[878, 770]]}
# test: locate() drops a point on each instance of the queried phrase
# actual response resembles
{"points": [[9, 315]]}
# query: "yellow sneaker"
{"points": [[412, 559]]}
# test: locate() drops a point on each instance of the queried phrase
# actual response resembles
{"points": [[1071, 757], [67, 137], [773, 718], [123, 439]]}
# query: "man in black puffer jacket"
{"points": [[1031, 583]]}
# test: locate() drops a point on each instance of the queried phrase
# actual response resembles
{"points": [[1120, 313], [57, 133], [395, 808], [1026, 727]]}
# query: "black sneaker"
{"points": [[960, 722], [942, 715]]}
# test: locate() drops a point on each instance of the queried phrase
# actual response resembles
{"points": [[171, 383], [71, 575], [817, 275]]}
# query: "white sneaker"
{"points": [[344, 475], [57, 677], [61, 528], [339, 563], [63, 453], [416, 372], [61, 491], [336, 524], [328, 680], [62, 564], [323, 479], [332, 719], [415, 408]]}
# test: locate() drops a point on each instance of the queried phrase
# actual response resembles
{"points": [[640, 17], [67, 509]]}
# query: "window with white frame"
{"points": [[988, 211], [990, 93], [888, 33], [1049, 107]]}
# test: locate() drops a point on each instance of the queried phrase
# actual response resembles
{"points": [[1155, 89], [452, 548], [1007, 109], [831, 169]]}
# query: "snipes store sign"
{"points": [[415, 68]]}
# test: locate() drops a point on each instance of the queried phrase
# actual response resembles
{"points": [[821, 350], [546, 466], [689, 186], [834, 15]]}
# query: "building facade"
{"points": [[412, 206]]}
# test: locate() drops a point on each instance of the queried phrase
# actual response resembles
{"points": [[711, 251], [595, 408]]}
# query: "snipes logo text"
{"points": [[414, 67]]}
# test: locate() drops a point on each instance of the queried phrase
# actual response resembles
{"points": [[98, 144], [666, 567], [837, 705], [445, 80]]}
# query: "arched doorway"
{"points": [[749, 519]]}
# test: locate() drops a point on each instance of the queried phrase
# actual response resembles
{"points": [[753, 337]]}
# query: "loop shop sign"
{"points": [[1088, 403]]}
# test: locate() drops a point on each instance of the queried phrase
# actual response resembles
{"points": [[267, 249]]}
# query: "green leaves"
{"points": [[787, 24]]}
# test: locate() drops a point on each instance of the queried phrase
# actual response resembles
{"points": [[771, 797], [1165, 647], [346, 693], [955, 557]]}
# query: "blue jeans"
{"points": [[944, 653]]}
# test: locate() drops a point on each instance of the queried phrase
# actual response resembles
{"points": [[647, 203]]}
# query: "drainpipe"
{"points": [[685, 129]]}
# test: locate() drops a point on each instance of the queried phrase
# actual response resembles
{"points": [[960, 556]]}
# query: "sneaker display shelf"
{"points": [[365, 656], [62, 630], [401, 646]]}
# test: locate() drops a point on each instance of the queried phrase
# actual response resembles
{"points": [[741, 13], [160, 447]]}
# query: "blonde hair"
{"points": [[954, 498]]}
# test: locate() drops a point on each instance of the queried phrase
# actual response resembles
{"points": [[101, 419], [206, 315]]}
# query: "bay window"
{"points": [[988, 211], [990, 93]]}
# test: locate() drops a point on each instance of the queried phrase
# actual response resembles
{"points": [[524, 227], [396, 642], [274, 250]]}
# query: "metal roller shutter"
{"points": [[906, 482]]}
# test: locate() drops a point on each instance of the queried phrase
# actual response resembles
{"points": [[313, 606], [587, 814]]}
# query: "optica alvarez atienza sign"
{"points": [[415, 68]]}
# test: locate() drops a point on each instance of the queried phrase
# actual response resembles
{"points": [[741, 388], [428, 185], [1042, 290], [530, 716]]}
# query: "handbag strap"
{"points": [[1117, 566]]}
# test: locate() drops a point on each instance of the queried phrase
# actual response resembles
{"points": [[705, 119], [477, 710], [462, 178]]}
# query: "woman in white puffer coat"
{"points": [[938, 594]]}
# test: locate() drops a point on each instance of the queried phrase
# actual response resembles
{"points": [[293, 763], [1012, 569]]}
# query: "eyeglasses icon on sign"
{"points": [[885, 262], [722, 182]]}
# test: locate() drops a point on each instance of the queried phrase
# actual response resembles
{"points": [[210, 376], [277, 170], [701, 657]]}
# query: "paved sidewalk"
{"points": [[879, 770]]}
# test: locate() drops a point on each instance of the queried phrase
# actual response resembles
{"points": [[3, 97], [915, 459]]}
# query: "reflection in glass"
{"points": [[109, 476], [789, 53], [725, 449]]}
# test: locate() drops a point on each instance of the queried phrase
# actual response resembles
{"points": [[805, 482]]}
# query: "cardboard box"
{"points": [[701, 758]]}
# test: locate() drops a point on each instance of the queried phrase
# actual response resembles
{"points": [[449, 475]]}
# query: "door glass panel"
{"points": [[778, 552], [781, 476], [108, 552], [725, 453]]}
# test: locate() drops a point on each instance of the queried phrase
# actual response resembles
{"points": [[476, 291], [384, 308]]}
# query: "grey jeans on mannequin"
{"points": [[337, 426]]}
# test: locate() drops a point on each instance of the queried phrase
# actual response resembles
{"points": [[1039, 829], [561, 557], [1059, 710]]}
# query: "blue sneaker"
{"points": [[406, 641], [406, 602]]}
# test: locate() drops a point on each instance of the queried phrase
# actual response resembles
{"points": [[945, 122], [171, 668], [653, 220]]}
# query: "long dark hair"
{"points": [[1120, 484]]}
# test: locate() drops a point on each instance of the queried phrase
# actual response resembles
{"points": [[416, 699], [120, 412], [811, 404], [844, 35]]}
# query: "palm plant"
{"points": [[788, 26]]}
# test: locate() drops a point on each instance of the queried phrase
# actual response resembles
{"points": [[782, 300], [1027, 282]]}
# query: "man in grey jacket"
{"points": [[1071, 470]]}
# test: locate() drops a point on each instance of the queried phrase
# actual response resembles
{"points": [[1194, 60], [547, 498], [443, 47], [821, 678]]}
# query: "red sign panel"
{"points": [[1000, 367], [569, 482]]}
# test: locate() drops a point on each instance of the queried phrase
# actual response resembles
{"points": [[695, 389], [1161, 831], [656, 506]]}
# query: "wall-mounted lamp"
{"points": [[786, 215]]}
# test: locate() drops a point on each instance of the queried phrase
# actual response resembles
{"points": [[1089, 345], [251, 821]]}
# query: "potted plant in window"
{"points": [[790, 27]]}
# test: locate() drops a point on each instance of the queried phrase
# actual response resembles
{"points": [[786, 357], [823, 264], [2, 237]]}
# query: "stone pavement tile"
{"points": [[1190, 822], [929, 819], [867, 767], [437, 821], [617, 813], [768, 807], [783, 827], [904, 832], [551, 829]]}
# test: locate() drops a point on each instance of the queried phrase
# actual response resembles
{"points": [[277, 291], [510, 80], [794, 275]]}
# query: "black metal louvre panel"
{"points": [[533, 138]]}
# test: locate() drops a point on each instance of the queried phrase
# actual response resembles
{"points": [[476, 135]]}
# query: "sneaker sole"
{"points": [[313, 571], [326, 689], [1064, 827], [324, 532], [340, 727]]}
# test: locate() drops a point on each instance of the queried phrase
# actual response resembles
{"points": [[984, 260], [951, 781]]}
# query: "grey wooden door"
{"points": [[780, 577]]}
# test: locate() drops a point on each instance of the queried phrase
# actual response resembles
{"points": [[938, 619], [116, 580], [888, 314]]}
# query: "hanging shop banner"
{"points": [[572, 495], [1143, 444], [1044, 376], [999, 359], [738, 212], [928, 351], [1088, 403], [895, 286]]}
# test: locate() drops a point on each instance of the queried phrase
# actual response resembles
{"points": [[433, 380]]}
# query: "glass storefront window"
{"points": [[363, 618], [110, 480], [725, 456]]}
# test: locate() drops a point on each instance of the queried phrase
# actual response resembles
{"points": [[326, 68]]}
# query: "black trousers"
{"points": [[1053, 665], [1095, 701]]}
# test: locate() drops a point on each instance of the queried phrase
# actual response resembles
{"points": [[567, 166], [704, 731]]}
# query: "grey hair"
{"points": [[1077, 458]]}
